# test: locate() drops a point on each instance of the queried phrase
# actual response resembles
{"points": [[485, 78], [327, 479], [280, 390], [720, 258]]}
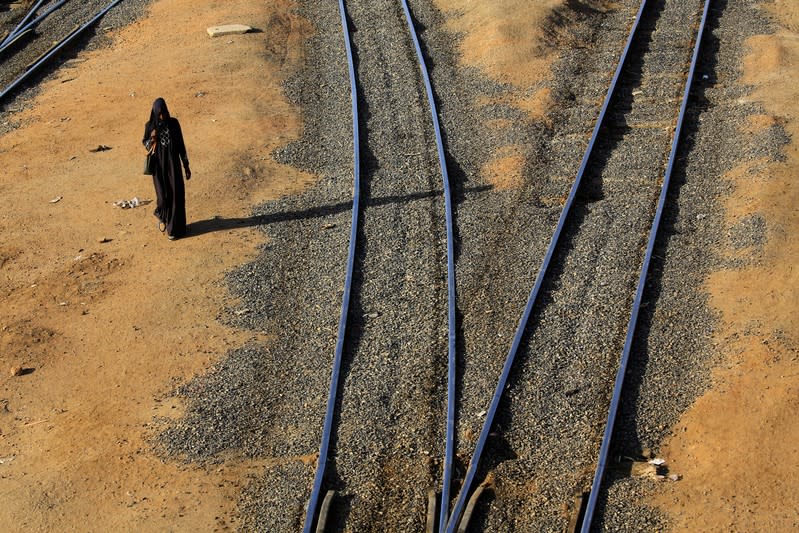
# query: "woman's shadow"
{"points": [[218, 223]]}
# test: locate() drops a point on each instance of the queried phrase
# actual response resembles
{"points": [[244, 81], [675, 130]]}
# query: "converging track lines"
{"points": [[639, 291], [27, 26], [610, 140], [460, 503]]}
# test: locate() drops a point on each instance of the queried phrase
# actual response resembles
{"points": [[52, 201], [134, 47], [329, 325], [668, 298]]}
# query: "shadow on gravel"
{"points": [[459, 192], [201, 227], [626, 440], [340, 511], [614, 127], [457, 175]]}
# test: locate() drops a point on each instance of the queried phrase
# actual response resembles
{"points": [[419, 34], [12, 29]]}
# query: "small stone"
{"points": [[228, 29], [16, 371], [103, 240], [329, 226]]}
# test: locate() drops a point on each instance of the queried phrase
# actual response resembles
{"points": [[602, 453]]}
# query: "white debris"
{"points": [[128, 204], [56, 199], [657, 461]]}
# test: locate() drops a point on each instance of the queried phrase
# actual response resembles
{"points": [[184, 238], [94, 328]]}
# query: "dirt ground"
{"points": [[737, 447], [105, 315], [513, 42], [102, 312]]}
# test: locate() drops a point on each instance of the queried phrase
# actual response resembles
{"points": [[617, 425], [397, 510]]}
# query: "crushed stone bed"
{"points": [[269, 401]]}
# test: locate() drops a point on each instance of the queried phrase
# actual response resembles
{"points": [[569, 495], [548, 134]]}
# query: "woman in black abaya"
{"points": [[163, 137]]}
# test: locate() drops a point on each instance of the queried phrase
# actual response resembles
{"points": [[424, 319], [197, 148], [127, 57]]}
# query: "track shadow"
{"points": [[355, 317], [459, 191], [355, 320]]}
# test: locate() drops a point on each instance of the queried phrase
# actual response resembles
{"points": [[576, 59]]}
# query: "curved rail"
{"points": [[463, 495], [22, 27], [345, 300], [451, 360], [22, 22], [53, 51], [614, 403]]}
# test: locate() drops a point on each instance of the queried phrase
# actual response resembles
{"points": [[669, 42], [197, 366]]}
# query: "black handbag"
{"points": [[149, 164]]}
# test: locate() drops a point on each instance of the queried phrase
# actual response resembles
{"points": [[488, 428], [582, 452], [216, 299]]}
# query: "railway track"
{"points": [[637, 123], [386, 73], [34, 42], [611, 137], [388, 424]]}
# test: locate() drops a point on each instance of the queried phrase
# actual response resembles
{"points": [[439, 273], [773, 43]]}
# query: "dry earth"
{"points": [[506, 41], [737, 447], [106, 329]]}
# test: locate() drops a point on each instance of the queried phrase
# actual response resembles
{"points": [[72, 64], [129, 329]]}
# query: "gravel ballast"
{"points": [[675, 345], [53, 28], [269, 400]]}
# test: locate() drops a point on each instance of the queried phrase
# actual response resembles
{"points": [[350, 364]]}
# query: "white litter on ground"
{"points": [[128, 204]]}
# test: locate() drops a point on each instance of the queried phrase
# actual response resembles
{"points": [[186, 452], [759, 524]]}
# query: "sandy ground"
{"points": [[737, 447], [513, 42], [103, 330]]}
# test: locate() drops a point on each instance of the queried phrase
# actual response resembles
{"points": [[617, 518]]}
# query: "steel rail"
{"points": [[17, 36], [463, 495], [29, 26], [25, 19], [451, 298], [639, 292], [35, 66], [345, 300]]}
